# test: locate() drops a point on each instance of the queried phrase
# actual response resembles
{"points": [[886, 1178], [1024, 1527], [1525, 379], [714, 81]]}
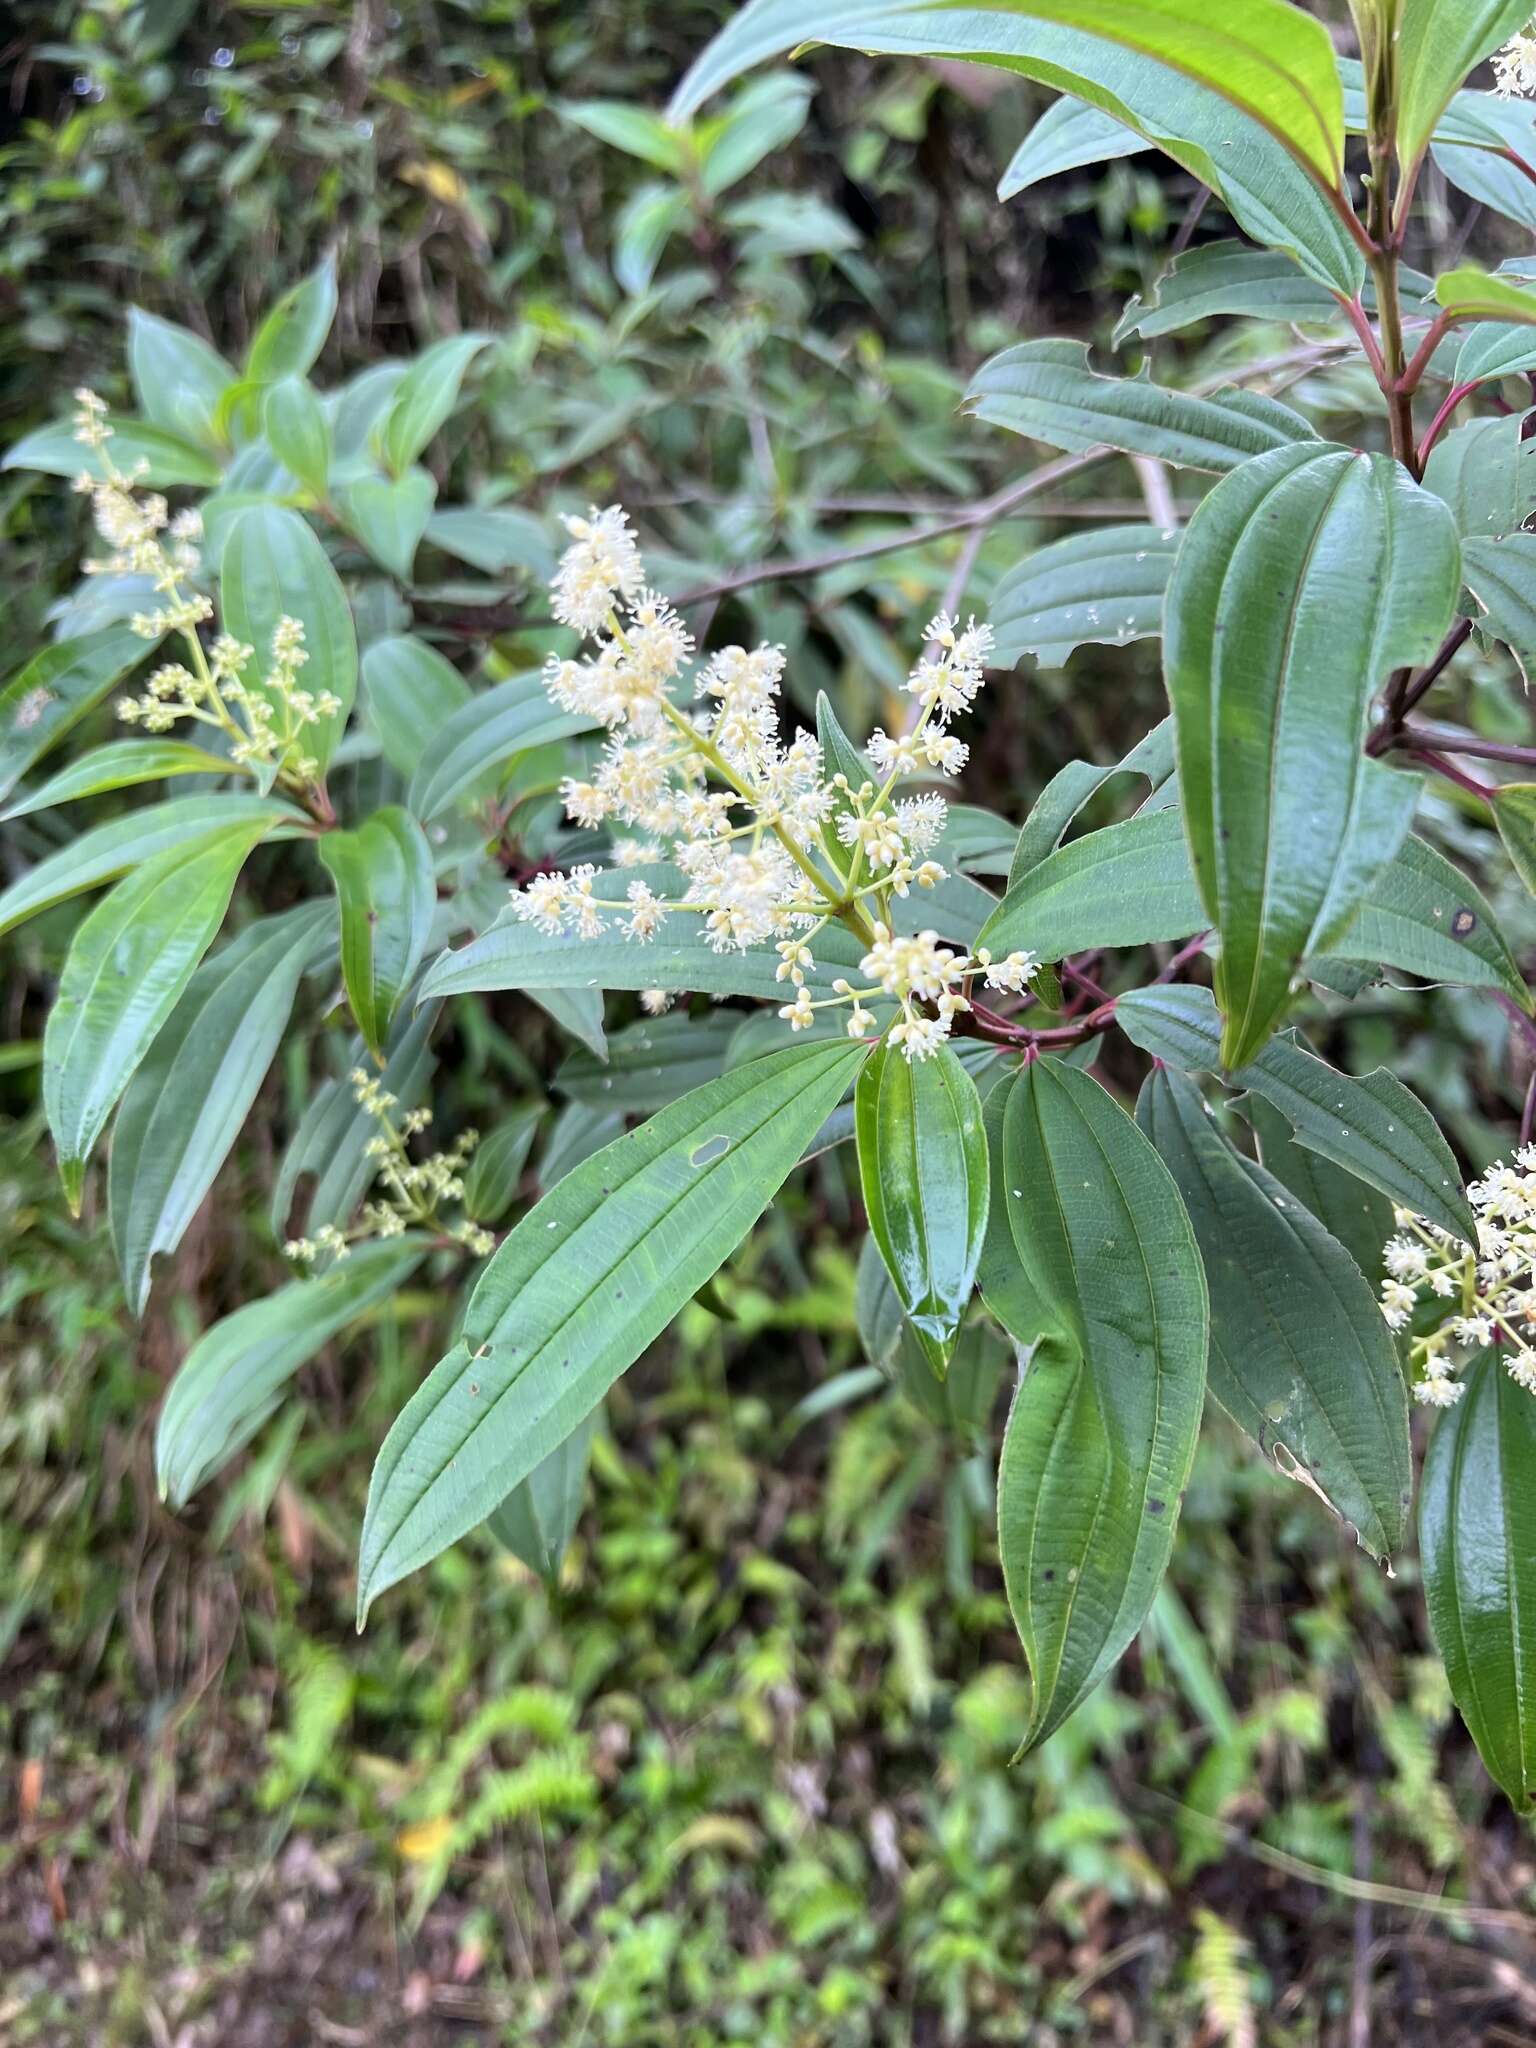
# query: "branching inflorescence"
{"points": [[765, 844]]}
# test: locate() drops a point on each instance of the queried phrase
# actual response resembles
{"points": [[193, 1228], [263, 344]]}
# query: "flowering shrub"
{"points": [[1293, 1240]]}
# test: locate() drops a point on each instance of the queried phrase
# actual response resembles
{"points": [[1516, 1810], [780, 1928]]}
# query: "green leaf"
{"points": [[411, 691], [512, 954], [1473, 294], [298, 432], [231, 1379], [496, 1166], [1303, 581], [1222, 279], [386, 893], [428, 393], [1125, 885], [491, 730], [923, 1170], [389, 515], [643, 226], [119, 765], [55, 689], [293, 333], [1477, 1540], [538, 1518], [578, 1011], [178, 379], [1071, 787], [1358, 1215], [1068, 136], [1374, 1128], [274, 567], [1501, 575], [1046, 391], [1494, 349], [635, 131], [184, 1108], [1486, 473], [762, 118], [579, 1289], [653, 1062], [1270, 61], [1300, 1357], [1489, 166], [840, 757], [1102, 1432], [494, 538], [127, 966], [107, 851], [1104, 587], [1438, 43], [1425, 917], [157, 458], [1514, 812]]}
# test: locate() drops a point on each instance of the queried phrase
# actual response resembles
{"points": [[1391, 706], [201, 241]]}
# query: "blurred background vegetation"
{"points": [[742, 1773]]}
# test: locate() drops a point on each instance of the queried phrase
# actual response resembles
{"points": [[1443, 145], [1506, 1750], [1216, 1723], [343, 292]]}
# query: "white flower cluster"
{"points": [[769, 847], [1514, 67], [1491, 1287], [262, 722], [413, 1190]]}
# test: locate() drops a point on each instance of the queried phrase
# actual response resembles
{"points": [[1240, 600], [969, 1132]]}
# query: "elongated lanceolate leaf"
{"points": [[1300, 1357], [124, 974], [293, 333], [1065, 138], [1270, 60], [428, 393], [184, 1108], [178, 379], [411, 691], [538, 1518], [923, 1170], [1303, 581], [118, 765], [582, 1285], [1373, 1127], [1152, 67], [273, 567], [1046, 391], [486, 733], [158, 459], [1514, 812], [55, 689], [1224, 278], [384, 886], [105, 851], [298, 432], [234, 1374], [1126, 885], [654, 1061], [1473, 294], [1104, 587], [1071, 787], [1102, 1432], [1477, 1540], [1438, 43], [1358, 1215]]}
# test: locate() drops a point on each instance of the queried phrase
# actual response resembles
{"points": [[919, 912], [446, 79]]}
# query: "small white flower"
{"points": [[1439, 1391]]}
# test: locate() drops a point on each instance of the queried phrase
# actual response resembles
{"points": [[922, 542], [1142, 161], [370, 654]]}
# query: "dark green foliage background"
{"points": [[753, 1782]]}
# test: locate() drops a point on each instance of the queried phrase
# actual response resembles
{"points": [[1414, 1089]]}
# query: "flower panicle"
{"points": [[1488, 1289], [763, 845]]}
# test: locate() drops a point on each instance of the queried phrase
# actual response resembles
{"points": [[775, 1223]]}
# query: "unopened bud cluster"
{"points": [[410, 1192]]}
